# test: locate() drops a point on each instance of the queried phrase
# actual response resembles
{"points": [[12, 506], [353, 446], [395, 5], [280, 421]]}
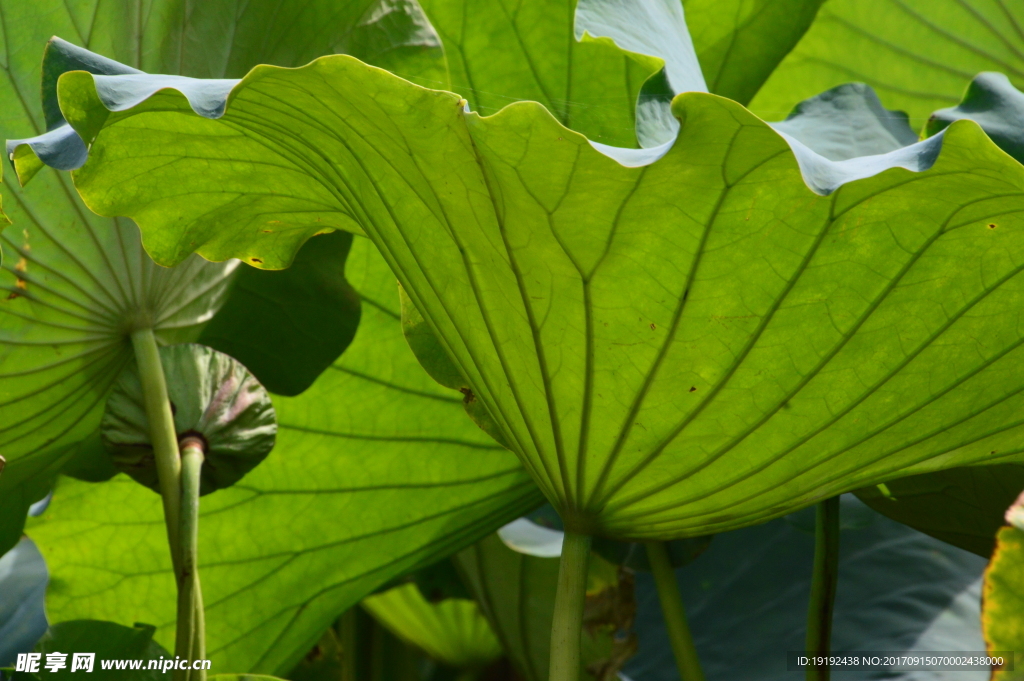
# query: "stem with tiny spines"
{"points": [[674, 613], [162, 434], [190, 639], [168, 459], [823, 586], [567, 623]]}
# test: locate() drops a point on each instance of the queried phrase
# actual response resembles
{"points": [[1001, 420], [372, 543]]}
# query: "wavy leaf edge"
{"points": [[88, 112]]}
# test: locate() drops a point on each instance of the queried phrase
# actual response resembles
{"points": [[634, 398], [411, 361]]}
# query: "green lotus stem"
{"points": [[161, 432], [190, 640], [674, 613], [823, 586], [199, 629], [567, 624]]}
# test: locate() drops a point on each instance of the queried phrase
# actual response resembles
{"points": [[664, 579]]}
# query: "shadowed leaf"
{"points": [[287, 326], [962, 506]]}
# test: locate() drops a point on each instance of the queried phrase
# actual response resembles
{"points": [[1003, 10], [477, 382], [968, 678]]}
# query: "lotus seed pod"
{"points": [[213, 398]]}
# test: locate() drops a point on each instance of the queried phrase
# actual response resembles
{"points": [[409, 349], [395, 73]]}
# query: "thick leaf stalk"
{"points": [[162, 433], [567, 624], [823, 586], [674, 613], [190, 640]]}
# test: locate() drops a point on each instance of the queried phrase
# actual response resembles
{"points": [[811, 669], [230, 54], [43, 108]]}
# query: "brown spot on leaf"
{"points": [[256, 260], [992, 225], [467, 395], [12, 295], [693, 388], [652, 326]]}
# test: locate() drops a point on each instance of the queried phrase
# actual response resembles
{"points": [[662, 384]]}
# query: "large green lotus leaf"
{"points": [[961, 506], [73, 285], [516, 592], [740, 42], [452, 631], [375, 472], [674, 349], [503, 51], [1002, 615], [918, 54]]}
